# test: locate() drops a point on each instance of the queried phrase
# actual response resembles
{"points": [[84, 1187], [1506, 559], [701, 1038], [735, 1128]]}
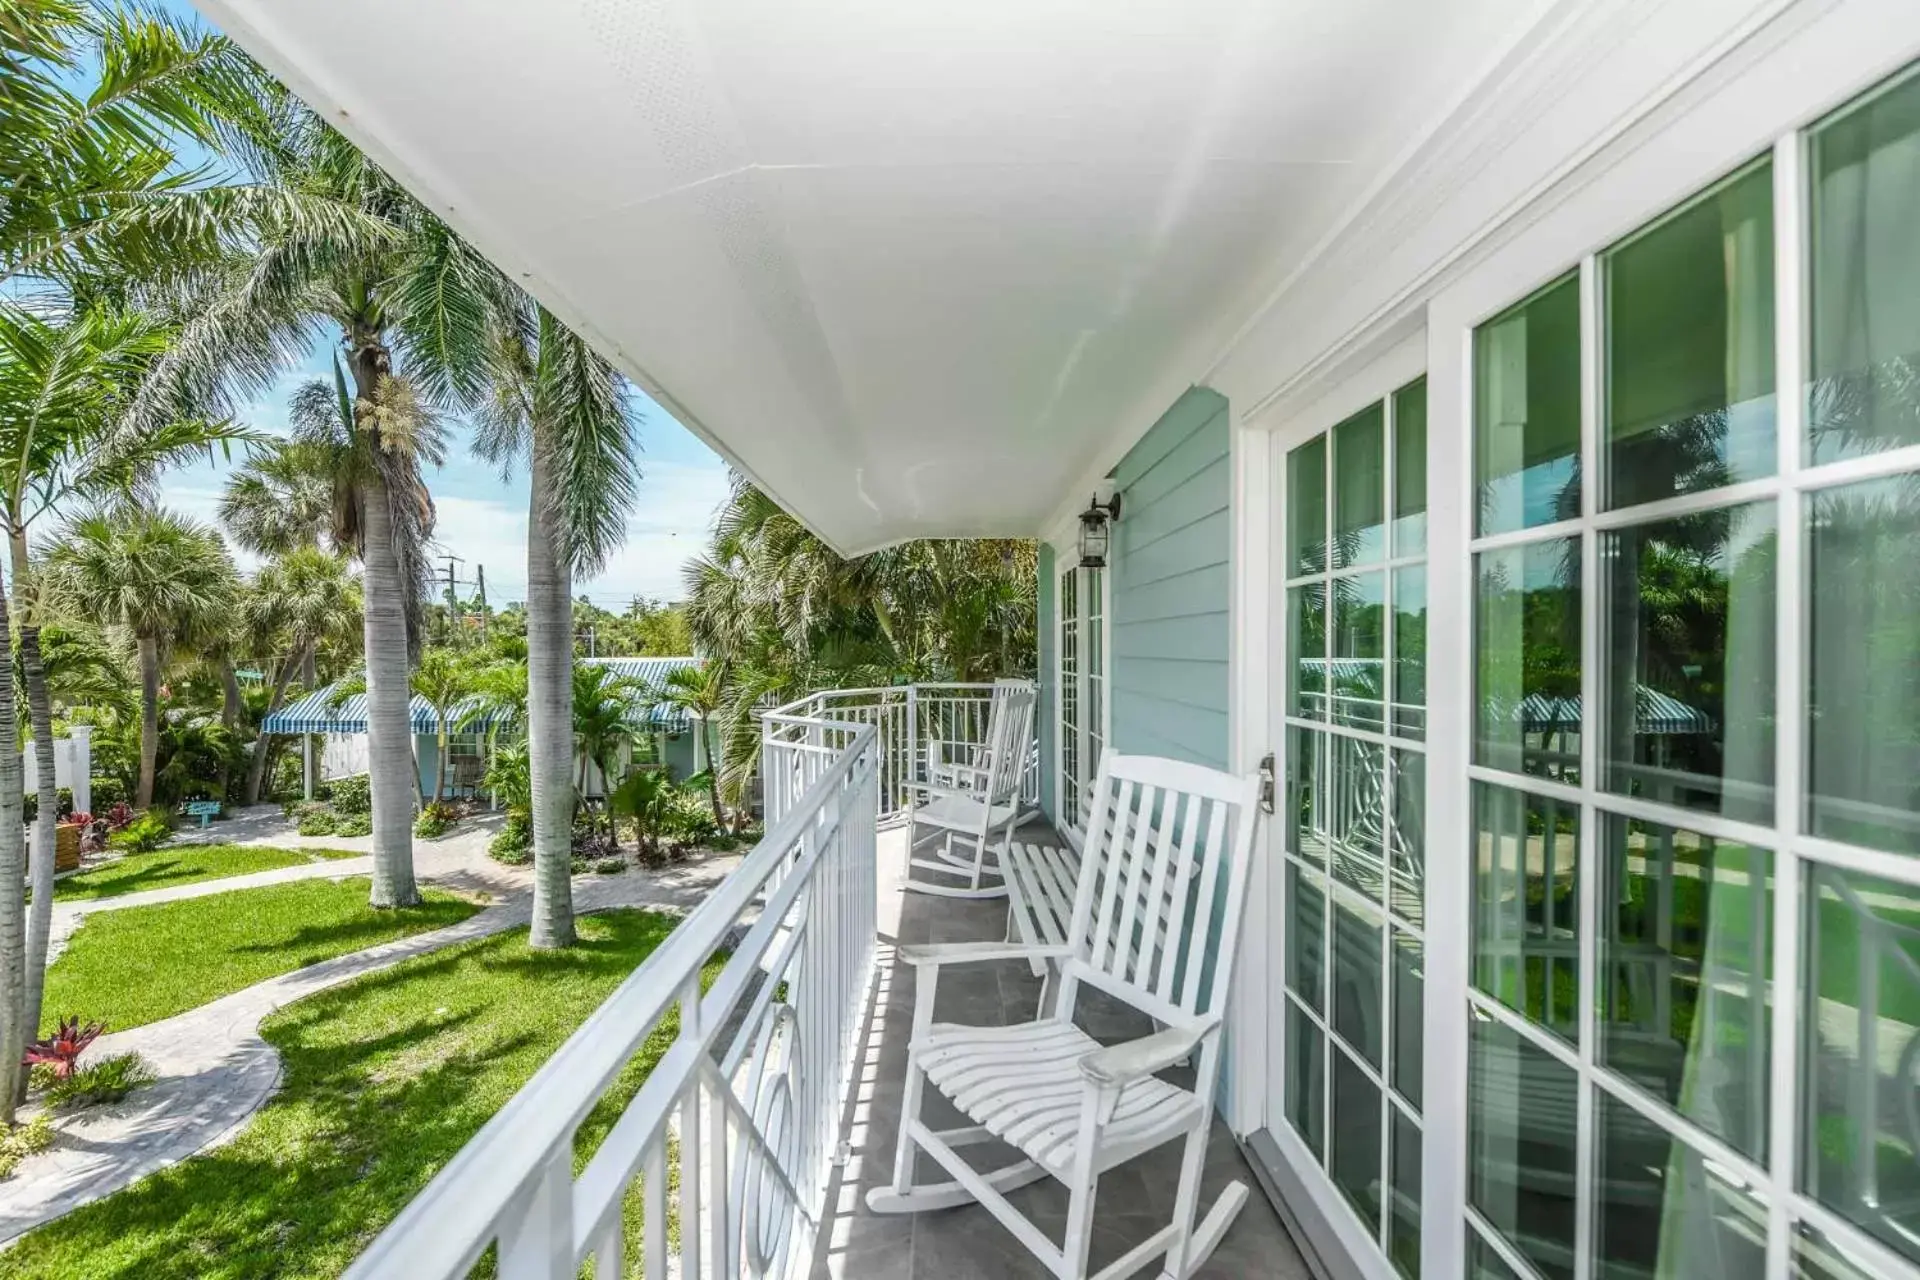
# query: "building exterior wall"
{"points": [[1171, 587]]}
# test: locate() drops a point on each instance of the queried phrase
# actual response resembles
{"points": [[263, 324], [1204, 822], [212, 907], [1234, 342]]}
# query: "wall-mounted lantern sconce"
{"points": [[1096, 531]]}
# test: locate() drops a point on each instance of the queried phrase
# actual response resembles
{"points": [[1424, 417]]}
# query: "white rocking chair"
{"points": [[1161, 887], [962, 765], [974, 813]]}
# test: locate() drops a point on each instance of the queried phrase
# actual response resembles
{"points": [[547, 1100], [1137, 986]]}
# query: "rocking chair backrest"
{"points": [[1009, 726], [1163, 877]]}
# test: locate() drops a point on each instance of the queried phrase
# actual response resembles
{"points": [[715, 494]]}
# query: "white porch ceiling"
{"points": [[909, 265]]}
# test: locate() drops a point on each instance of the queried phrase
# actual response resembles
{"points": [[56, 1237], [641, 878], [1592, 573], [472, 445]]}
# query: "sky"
{"points": [[483, 517]]}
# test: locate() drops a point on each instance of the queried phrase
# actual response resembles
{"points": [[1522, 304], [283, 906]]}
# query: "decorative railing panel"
{"points": [[722, 1158], [908, 720]]}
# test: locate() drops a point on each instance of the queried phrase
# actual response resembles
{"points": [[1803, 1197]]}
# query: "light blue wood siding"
{"points": [[1044, 704], [1171, 586]]}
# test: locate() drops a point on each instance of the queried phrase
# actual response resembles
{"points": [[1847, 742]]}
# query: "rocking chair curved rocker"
{"points": [[1160, 892]]}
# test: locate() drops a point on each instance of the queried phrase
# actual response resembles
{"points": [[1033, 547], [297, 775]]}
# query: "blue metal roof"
{"points": [[323, 711]]}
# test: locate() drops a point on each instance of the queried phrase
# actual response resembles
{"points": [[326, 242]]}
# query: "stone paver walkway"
{"points": [[214, 1068]]}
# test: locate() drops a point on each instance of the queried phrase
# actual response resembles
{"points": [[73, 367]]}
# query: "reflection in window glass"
{"points": [[1863, 678], [1306, 935], [1305, 1083], [1864, 165], [1663, 1212], [1355, 1161], [1307, 645], [1360, 488], [1410, 470], [1409, 991], [1689, 347], [1306, 824], [1521, 1142], [1862, 1023], [1359, 650], [1526, 412], [1817, 1257], [1684, 962], [1307, 508], [1410, 652], [1526, 904], [1483, 1263], [1357, 1000], [1689, 672], [1527, 659], [1403, 1227], [1408, 890], [1356, 822]]}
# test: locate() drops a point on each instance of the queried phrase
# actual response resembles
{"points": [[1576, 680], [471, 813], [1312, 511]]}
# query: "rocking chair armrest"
{"points": [[1120, 1064], [934, 789], [944, 953]]}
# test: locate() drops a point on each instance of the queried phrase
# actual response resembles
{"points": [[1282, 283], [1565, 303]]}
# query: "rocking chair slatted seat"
{"points": [[975, 820], [1156, 914]]}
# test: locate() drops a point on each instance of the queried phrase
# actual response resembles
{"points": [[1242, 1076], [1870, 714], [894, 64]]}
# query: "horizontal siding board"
{"points": [[1198, 684], [1201, 637], [1190, 413], [1203, 543], [1203, 449], [1187, 503], [1171, 587]]}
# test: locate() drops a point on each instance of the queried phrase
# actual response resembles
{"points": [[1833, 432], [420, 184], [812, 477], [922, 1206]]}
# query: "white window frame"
{"points": [[1088, 739], [1368, 382], [1764, 111]]}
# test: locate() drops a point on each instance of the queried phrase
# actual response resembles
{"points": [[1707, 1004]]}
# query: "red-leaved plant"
{"points": [[63, 1048]]}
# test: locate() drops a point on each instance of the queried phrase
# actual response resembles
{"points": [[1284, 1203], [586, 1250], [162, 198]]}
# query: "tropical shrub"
{"points": [[610, 866], [318, 821], [353, 824], [107, 792], [509, 778], [119, 814], [30, 803], [646, 797], [352, 795], [436, 820], [142, 835], [60, 1052], [513, 844], [107, 1080], [21, 1141]]}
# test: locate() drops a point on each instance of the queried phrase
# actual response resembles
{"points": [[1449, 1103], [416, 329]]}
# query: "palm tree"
{"points": [[65, 377], [152, 572], [382, 511], [603, 701], [446, 680], [281, 500], [559, 405], [701, 692], [300, 600]]}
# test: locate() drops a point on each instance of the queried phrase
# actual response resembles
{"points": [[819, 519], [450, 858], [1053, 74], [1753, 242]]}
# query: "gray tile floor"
{"points": [[967, 1243]]}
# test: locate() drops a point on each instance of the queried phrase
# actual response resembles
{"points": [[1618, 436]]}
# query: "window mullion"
{"points": [[1588, 897], [1789, 221]]}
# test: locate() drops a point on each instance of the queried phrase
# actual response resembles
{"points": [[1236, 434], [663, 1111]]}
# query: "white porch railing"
{"points": [[906, 720], [743, 1107]]}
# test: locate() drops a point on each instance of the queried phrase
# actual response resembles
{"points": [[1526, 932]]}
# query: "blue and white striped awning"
{"points": [[1655, 712], [324, 711]]}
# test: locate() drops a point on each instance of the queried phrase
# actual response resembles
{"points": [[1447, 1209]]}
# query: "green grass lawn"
{"points": [[184, 864], [142, 964], [386, 1078]]}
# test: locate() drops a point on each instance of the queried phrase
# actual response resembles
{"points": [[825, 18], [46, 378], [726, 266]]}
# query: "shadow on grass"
{"points": [[357, 933], [386, 1078]]}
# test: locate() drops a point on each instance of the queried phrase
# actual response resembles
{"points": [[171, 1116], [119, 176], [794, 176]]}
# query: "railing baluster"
{"points": [[536, 1240]]}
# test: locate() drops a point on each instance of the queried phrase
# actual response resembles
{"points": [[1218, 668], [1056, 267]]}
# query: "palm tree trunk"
{"points": [[440, 761], [41, 849], [550, 720], [257, 766], [231, 703], [713, 772], [13, 875], [389, 727], [149, 719]]}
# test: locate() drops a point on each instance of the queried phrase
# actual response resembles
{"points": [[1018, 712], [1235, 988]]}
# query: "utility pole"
{"points": [[453, 599], [480, 583]]}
